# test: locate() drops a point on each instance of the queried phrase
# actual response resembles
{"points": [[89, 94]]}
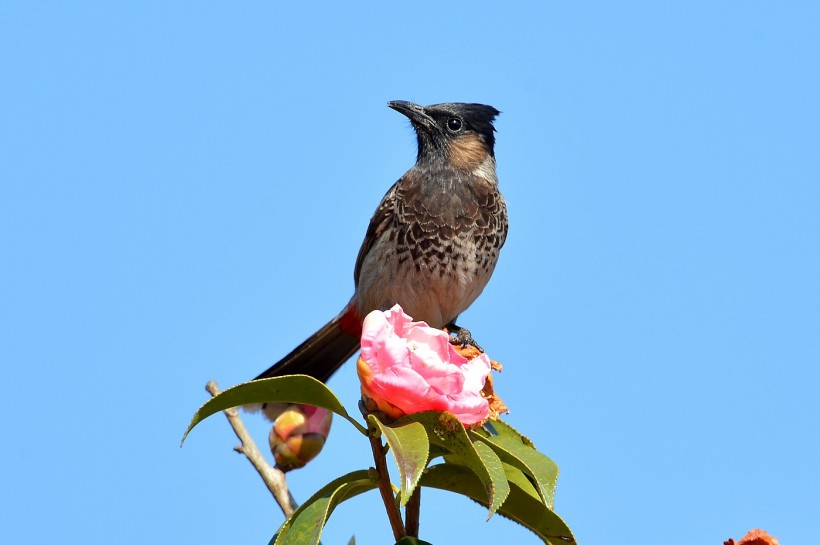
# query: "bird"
{"points": [[432, 243]]}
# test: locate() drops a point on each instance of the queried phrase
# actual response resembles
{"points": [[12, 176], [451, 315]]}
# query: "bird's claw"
{"points": [[462, 337]]}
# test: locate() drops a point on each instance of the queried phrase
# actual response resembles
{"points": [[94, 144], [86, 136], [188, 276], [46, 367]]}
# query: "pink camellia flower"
{"points": [[407, 367]]}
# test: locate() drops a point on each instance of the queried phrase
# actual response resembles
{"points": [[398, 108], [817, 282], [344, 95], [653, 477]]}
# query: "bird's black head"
{"points": [[458, 131]]}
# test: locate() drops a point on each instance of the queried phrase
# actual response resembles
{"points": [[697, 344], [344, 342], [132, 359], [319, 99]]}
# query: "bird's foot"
{"points": [[462, 336]]}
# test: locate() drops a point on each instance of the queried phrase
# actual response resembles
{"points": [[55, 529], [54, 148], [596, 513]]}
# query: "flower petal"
{"points": [[413, 367]]}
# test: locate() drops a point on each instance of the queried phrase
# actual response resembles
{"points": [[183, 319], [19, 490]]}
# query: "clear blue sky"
{"points": [[184, 187]]}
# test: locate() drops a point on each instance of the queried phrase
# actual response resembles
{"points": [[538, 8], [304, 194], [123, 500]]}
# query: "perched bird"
{"points": [[432, 243]]}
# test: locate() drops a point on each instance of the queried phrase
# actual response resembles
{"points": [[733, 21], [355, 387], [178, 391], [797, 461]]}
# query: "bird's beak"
{"points": [[414, 112]]}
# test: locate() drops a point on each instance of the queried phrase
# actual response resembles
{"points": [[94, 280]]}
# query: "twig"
{"points": [[274, 478], [411, 513], [386, 489]]}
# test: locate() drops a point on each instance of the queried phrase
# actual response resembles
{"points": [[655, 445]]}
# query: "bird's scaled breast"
{"points": [[433, 264]]}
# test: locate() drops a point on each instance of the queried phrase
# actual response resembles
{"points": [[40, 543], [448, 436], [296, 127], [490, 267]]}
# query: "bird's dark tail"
{"points": [[326, 350]]}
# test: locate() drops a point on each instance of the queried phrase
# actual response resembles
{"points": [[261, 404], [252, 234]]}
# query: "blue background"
{"points": [[185, 187]]}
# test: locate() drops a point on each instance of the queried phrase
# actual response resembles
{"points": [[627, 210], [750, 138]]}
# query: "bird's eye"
{"points": [[454, 124]]}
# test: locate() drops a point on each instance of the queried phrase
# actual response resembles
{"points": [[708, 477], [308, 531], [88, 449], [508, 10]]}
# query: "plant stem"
{"points": [[411, 513], [386, 489], [274, 478]]}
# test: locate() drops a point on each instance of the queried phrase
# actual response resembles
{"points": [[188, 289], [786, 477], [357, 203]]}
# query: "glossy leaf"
{"points": [[410, 448], [516, 450], [496, 470], [517, 478], [290, 389], [522, 506], [436, 452], [304, 526], [445, 431]]}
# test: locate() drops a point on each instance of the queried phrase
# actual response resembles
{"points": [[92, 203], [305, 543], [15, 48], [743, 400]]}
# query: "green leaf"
{"points": [[290, 389], [307, 527], [304, 526], [516, 450], [522, 506], [436, 452], [444, 430], [496, 470], [410, 448], [517, 477]]}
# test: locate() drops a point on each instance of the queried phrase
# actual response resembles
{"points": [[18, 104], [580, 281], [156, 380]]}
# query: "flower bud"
{"points": [[298, 434]]}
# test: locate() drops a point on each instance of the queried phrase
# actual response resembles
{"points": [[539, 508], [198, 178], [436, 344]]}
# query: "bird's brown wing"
{"points": [[380, 221]]}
